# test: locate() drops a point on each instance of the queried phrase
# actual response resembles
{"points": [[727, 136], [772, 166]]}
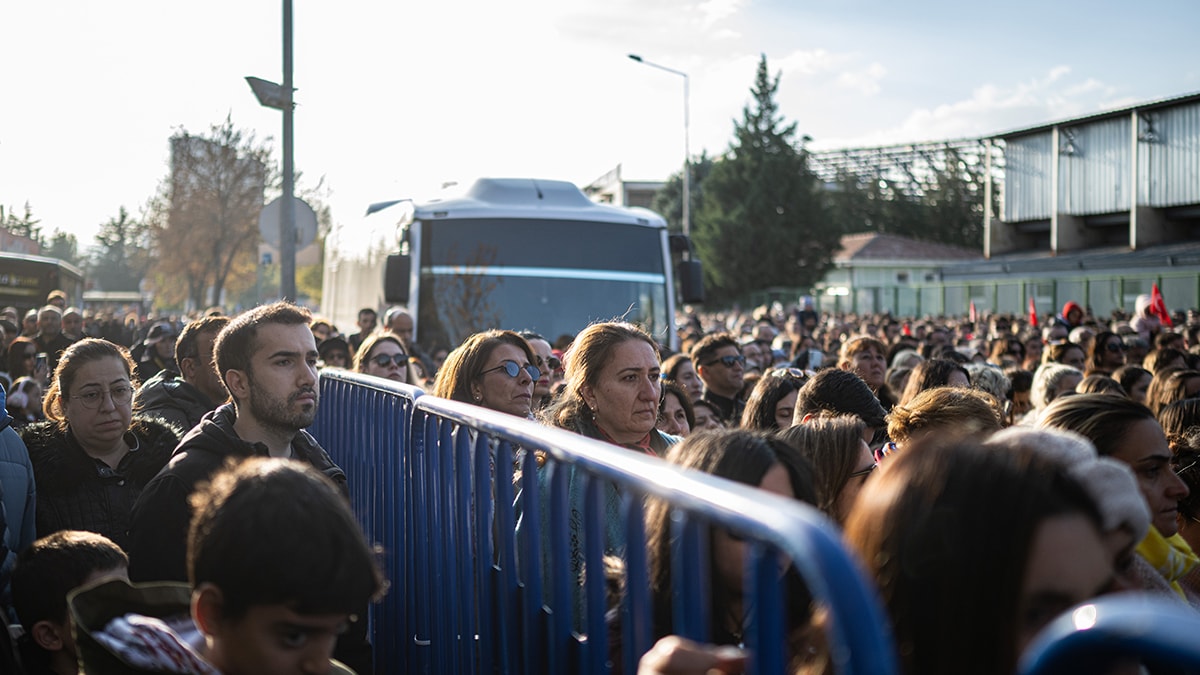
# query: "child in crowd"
{"points": [[277, 566]]}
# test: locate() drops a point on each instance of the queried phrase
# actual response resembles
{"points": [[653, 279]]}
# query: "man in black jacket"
{"points": [[183, 398], [267, 358]]}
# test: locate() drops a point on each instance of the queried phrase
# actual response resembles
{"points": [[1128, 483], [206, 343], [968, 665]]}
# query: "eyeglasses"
{"points": [[552, 364], [728, 361], [796, 373], [121, 394], [864, 472], [1115, 347], [383, 360], [1184, 461], [512, 369]]}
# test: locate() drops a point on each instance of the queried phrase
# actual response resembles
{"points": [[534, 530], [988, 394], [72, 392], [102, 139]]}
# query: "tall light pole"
{"points": [[687, 155], [279, 97]]}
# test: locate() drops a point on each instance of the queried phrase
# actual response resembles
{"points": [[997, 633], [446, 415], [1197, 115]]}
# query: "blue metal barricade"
{"points": [[363, 423], [432, 481], [1093, 637]]}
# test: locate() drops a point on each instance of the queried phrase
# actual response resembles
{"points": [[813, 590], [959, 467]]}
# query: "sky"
{"points": [[395, 98]]}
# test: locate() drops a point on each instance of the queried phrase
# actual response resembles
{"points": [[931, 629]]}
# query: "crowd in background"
{"points": [[1037, 461]]}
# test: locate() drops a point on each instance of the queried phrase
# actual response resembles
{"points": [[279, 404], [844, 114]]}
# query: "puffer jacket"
{"points": [[170, 398], [77, 492]]}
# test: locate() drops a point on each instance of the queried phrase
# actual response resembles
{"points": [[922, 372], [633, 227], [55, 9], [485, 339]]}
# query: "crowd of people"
{"points": [[1036, 465]]}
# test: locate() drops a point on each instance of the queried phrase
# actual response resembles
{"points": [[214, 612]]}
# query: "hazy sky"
{"points": [[396, 97]]}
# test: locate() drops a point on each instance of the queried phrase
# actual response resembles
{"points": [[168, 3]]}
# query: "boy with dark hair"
{"points": [[274, 550], [45, 573], [277, 567]]}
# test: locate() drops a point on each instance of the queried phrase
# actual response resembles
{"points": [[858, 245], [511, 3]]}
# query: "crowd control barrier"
{"points": [[1091, 638], [431, 481]]}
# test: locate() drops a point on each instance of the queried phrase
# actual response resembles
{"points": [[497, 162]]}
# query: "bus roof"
{"points": [[525, 198]]}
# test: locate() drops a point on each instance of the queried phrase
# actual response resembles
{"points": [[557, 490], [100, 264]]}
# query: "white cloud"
{"points": [[865, 81]]}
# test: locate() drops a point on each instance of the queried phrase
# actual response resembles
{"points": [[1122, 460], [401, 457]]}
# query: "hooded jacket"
{"points": [[159, 531], [17, 494], [169, 397], [78, 492]]}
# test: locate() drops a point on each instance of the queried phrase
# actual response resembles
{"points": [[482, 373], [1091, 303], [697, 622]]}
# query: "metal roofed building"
{"points": [[875, 272], [1128, 177]]}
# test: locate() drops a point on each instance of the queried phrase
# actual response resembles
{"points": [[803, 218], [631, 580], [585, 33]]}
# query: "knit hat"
{"points": [[1110, 483]]}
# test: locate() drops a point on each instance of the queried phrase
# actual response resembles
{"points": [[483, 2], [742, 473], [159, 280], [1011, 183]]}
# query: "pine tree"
{"points": [[762, 221]]}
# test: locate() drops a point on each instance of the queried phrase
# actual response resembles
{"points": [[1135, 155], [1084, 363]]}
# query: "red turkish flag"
{"points": [[1158, 307], [972, 314], [1033, 320]]}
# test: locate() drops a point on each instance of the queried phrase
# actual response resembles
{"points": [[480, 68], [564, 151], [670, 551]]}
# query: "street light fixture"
{"points": [[687, 162], [278, 96]]}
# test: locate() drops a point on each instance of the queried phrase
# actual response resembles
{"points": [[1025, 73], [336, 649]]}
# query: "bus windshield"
{"points": [[553, 277]]}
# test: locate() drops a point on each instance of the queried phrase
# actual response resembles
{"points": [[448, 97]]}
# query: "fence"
{"points": [[431, 481], [1091, 638], [467, 593]]}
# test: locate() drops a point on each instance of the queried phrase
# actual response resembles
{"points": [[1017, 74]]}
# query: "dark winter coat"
{"points": [[158, 546], [78, 492], [169, 397]]}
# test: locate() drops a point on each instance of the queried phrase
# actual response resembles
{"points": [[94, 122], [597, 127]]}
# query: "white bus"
{"points": [[520, 254]]}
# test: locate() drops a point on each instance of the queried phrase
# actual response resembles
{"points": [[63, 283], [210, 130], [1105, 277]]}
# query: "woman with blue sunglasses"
{"points": [[493, 369]]}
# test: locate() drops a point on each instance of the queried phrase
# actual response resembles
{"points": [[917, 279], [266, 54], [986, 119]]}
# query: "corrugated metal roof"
{"points": [[1161, 103]]}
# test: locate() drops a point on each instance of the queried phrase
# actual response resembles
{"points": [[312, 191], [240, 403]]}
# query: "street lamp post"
{"points": [[279, 97], [687, 155]]}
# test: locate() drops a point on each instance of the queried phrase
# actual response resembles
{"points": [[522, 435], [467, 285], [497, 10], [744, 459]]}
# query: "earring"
{"points": [[478, 398]]}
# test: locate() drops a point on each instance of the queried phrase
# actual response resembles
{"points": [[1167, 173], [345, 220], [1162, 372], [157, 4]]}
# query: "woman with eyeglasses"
{"points": [[493, 369], [383, 355], [1128, 432], [841, 460], [92, 456], [1107, 354], [772, 402]]}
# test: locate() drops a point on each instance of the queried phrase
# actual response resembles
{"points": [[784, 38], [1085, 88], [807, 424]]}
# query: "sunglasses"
{"points": [[798, 374], [383, 360], [552, 364], [728, 361], [512, 369], [865, 472], [1115, 347]]}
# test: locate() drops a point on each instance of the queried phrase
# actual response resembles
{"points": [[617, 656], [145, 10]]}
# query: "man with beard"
{"points": [[267, 358]]}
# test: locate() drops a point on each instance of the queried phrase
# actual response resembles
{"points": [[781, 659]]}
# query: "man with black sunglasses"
{"points": [[721, 367]]}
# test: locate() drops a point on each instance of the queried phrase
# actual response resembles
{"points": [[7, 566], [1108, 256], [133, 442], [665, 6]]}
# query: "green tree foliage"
{"points": [[205, 220], [762, 221], [943, 203], [63, 246], [25, 225], [668, 201], [122, 255]]}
